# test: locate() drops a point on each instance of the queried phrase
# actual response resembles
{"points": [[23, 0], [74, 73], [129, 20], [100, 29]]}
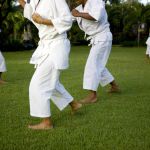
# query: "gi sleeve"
{"points": [[96, 9], [148, 41], [28, 11], [63, 21]]}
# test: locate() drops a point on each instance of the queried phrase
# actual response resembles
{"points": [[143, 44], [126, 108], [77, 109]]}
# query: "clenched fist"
{"points": [[75, 13], [37, 18]]}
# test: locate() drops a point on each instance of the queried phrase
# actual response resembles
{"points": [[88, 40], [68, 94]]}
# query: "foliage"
{"points": [[11, 23], [124, 18], [76, 35]]}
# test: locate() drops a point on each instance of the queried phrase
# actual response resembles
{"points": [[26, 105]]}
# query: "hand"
{"points": [[37, 18], [75, 13], [22, 3]]}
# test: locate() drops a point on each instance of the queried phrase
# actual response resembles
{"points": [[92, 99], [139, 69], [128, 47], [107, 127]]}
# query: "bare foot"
{"points": [[40, 126], [114, 89], [148, 58], [44, 125], [75, 106], [89, 99]]}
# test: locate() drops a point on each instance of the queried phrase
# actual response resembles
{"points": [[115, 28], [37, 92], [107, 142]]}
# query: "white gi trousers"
{"points": [[148, 50], [95, 72], [2, 63], [45, 87]]}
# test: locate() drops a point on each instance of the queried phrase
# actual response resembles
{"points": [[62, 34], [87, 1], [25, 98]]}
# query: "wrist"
{"points": [[40, 21], [80, 15]]}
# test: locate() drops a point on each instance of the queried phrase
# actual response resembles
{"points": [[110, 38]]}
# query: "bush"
{"points": [[76, 35], [129, 43], [14, 45]]}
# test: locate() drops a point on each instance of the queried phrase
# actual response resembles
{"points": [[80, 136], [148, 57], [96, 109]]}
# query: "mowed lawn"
{"points": [[115, 122]]}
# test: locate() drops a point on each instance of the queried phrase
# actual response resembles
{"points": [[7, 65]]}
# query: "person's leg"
{"points": [[61, 98], [114, 87], [2, 68], [90, 98], [148, 52], [147, 56], [1, 80], [92, 73], [95, 68], [41, 87], [0, 75], [46, 123], [75, 106], [107, 78]]}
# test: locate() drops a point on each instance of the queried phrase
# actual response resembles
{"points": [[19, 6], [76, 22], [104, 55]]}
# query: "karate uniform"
{"points": [[51, 56], [100, 37], [148, 46], [2, 63]]}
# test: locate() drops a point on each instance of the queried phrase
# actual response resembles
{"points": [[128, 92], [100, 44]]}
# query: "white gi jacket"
{"points": [[2, 63], [148, 41], [148, 46], [95, 29], [58, 12]]}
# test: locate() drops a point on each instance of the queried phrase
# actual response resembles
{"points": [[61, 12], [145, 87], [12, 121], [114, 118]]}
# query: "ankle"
{"points": [[73, 103], [113, 84], [93, 94], [47, 121]]}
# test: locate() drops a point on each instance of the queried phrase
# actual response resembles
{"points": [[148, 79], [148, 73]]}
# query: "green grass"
{"points": [[115, 122]]}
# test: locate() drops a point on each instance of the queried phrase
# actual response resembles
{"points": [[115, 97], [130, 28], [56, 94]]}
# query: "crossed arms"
{"points": [[40, 20], [36, 17], [76, 13]]}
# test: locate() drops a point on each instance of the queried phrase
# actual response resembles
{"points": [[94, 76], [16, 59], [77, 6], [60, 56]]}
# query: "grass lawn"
{"points": [[115, 122]]}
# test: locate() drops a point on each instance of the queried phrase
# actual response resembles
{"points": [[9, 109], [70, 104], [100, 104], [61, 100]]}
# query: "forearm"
{"points": [[86, 16], [40, 20], [22, 3], [46, 22]]}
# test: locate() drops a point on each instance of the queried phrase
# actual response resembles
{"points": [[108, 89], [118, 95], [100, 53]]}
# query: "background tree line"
{"points": [[128, 21]]}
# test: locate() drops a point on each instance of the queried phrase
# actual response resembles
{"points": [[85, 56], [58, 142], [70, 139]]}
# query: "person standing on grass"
{"points": [[2, 68], [148, 47], [53, 19], [92, 19]]}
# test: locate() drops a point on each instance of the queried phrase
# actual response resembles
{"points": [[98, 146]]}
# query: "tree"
{"points": [[11, 24], [5, 9], [125, 18]]}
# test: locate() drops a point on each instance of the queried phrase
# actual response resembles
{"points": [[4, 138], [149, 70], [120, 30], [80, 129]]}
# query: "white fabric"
{"points": [[148, 50], [100, 37], [28, 11], [95, 72], [95, 8], [58, 50], [45, 87], [148, 41], [55, 10], [2, 63], [53, 39], [148, 46]]}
